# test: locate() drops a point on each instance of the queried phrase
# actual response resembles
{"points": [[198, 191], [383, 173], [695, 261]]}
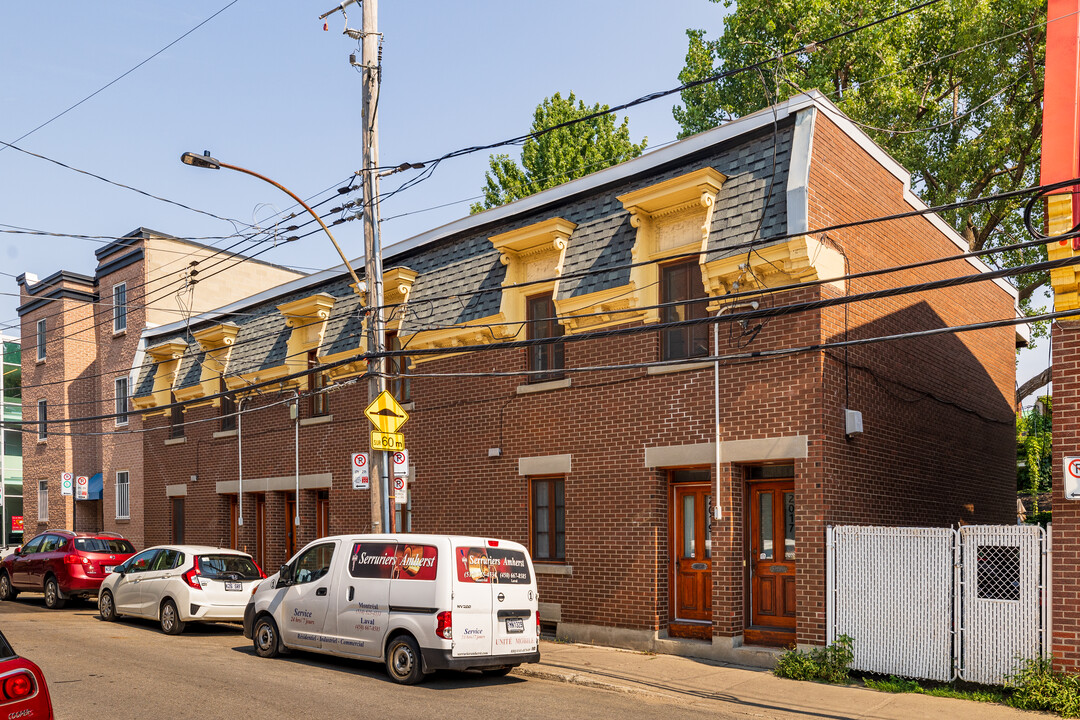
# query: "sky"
{"points": [[263, 86]]}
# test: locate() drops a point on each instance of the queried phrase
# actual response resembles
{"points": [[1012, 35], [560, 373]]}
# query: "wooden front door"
{"points": [[692, 546], [260, 530], [772, 562]]}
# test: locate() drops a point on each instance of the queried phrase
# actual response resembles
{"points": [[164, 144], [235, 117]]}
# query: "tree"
{"points": [[560, 155], [1034, 466], [953, 91]]}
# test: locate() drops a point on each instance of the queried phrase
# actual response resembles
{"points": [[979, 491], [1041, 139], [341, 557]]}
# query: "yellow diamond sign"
{"points": [[386, 414]]}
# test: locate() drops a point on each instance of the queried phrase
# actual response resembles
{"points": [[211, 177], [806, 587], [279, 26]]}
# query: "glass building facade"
{"points": [[11, 441]]}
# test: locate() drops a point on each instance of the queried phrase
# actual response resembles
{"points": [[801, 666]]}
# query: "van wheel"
{"points": [[265, 637], [53, 601], [170, 619], [7, 592], [403, 662], [106, 607], [498, 672]]}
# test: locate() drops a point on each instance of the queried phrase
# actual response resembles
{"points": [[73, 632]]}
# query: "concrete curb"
{"points": [[588, 681]]}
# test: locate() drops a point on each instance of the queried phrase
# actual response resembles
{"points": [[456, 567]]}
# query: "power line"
{"points": [[122, 76]]}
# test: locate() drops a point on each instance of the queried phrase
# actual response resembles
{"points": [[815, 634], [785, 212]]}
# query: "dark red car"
{"points": [[23, 692], [62, 564]]}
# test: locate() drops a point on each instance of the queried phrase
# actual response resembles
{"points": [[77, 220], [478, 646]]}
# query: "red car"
{"points": [[62, 564], [23, 692]]}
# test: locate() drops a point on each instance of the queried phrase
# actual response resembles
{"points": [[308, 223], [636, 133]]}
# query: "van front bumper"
{"points": [[249, 620], [443, 660]]}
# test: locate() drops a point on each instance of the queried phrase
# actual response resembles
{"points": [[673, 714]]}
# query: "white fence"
{"points": [[937, 603]]}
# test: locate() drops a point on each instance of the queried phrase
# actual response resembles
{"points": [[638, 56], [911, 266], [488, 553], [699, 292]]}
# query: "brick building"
{"points": [[653, 526], [81, 345]]}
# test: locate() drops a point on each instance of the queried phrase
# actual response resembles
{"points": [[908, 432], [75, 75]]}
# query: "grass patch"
{"points": [[828, 664], [957, 690]]}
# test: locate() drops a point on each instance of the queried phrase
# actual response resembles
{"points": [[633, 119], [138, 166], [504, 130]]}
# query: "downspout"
{"points": [[295, 412], [240, 461]]}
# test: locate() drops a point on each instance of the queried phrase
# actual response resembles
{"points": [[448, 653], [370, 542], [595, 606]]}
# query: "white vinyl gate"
{"points": [[937, 603]]}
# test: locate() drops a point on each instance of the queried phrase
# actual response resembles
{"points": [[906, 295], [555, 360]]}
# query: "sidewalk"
{"points": [[743, 691]]}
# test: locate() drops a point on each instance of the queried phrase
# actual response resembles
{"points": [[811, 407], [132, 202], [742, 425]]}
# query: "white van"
{"points": [[418, 603]]}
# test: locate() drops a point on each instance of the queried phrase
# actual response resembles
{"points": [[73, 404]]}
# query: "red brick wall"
{"points": [[1065, 573]]}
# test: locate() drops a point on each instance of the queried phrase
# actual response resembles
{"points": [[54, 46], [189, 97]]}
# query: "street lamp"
{"points": [[211, 163]]}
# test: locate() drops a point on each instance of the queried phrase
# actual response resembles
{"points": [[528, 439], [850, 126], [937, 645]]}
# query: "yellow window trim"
{"points": [[532, 253]]}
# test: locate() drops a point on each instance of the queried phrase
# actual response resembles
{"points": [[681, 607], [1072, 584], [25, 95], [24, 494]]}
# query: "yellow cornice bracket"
{"points": [[533, 253], [672, 217], [397, 284], [216, 337], [306, 311], [167, 356]]}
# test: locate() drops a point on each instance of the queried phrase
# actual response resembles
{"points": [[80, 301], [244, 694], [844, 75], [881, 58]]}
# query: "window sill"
{"points": [[408, 406], [543, 387], [40, 361], [176, 441], [319, 420], [123, 520], [543, 568], [119, 333], [224, 434], [42, 441], [121, 424], [684, 367]]}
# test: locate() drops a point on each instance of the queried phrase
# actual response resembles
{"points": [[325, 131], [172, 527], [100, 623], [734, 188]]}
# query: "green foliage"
{"points": [[895, 684], [1034, 433], [946, 71], [828, 664], [560, 155], [1038, 687]]}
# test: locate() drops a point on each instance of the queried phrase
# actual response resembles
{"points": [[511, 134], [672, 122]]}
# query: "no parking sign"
{"points": [[360, 478], [82, 488], [1072, 478]]}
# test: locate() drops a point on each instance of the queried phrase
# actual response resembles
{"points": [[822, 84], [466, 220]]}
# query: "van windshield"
{"points": [[117, 546], [228, 567]]}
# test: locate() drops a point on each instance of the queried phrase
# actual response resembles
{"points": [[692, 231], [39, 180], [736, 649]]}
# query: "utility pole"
{"points": [[382, 487]]}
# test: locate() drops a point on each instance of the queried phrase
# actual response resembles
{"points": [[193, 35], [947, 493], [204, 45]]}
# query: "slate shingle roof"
{"points": [[463, 265]]}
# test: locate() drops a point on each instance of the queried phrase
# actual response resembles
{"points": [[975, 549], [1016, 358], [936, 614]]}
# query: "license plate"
{"points": [[108, 568], [233, 585], [515, 625]]}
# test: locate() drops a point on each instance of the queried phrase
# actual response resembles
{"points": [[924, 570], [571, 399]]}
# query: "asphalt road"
{"points": [[130, 669]]}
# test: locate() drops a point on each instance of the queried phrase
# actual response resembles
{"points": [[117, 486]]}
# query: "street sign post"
{"points": [[67, 483], [386, 414], [401, 463], [360, 478], [82, 488], [387, 440]]}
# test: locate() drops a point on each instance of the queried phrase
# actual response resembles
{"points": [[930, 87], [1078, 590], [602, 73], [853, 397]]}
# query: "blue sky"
{"points": [[263, 86]]}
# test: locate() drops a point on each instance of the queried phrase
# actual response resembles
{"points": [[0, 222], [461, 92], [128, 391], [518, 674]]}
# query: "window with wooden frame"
{"points": [[542, 323], [41, 339], [120, 393], [43, 419], [548, 517], [681, 286], [176, 419], [318, 401], [228, 408]]}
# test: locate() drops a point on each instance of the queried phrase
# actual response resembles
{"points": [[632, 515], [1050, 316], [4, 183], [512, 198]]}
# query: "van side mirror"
{"points": [[285, 576]]}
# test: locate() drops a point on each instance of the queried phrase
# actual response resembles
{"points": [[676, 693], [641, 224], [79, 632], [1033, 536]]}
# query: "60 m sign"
{"points": [[387, 441]]}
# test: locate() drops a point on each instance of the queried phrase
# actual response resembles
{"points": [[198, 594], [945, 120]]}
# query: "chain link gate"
{"points": [[937, 603]]}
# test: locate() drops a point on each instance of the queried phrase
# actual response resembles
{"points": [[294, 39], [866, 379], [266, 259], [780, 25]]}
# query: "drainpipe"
{"points": [[294, 410], [718, 512], [240, 462]]}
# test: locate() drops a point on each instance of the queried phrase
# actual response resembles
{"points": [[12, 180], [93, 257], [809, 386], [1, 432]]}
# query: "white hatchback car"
{"points": [[178, 584]]}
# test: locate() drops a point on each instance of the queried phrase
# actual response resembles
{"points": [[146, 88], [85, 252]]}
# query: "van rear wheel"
{"points": [[403, 661], [265, 637]]}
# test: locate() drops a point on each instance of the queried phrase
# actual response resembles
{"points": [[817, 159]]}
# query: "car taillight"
{"points": [[537, 625], [191, 577], [18, 686], [444, 622], [262, 575], [74, 559]]}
